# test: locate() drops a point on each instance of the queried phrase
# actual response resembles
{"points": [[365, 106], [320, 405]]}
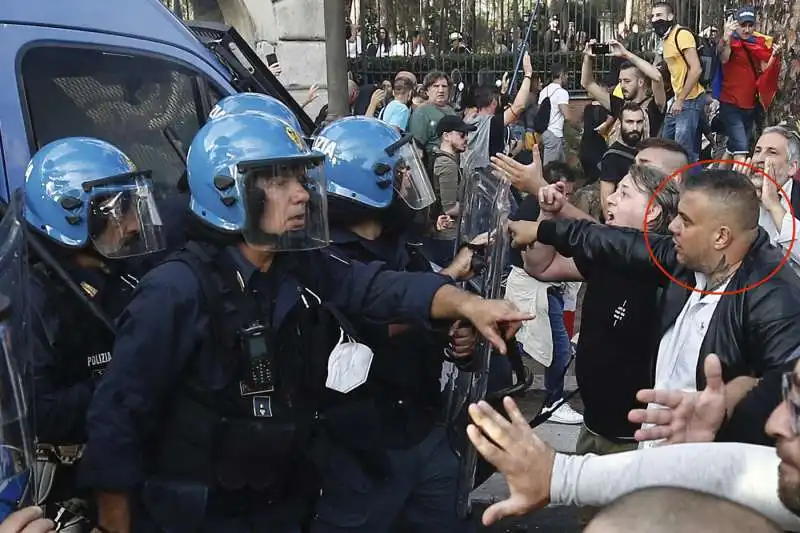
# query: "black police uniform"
{"points": [[389, 457], [71, 349], [178, 422]]}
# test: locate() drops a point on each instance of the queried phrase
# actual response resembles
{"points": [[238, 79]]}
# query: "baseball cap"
{"points": [[450, 123], [746, 14]]}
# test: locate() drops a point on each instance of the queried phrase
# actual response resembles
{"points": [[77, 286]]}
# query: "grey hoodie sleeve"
{"points": [[743, 473]]}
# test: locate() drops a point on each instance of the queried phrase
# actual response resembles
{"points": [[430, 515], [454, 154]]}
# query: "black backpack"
{"points": [[706, 52]]}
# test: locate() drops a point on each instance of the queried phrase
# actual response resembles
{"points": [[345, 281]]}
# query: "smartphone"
{"points": [[601, 49], [272, 59]]}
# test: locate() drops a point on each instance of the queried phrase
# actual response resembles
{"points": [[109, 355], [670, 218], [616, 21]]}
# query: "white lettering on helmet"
{"points": [[327, 147]]}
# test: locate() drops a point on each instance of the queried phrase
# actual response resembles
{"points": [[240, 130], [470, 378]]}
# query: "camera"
{"points": [[601, 49]]}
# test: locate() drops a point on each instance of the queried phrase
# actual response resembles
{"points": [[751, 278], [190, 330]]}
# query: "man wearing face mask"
{"points": [[621, 155], [685, 108]]}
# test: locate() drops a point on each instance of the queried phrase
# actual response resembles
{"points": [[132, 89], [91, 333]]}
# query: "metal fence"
{"points": [[482, 37]]}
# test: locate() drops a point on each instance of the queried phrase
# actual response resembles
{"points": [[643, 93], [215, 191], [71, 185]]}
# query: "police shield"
{"points": [[487, 203], [16, 439]]}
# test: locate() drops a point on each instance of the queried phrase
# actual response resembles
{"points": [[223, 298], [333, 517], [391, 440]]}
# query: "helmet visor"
{"points": [[410, 181], [285, 204], [123, 218]]}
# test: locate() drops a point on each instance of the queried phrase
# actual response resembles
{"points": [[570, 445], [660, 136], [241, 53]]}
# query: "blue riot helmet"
{"points": [[16, 437], [255, 103], [81, 191], [252, 174], [370, 164]]}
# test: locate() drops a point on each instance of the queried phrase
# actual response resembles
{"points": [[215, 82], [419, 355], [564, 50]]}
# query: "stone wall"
{"points": [[292, 29]]}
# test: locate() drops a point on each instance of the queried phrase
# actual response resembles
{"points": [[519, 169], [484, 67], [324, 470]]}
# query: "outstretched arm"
{"points": [[624, 250]]}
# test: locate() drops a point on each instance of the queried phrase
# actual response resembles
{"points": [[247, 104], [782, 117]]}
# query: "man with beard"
{"points": [[777, 153], [620, 156], [723, 300], [741, 473], [635, 74]]}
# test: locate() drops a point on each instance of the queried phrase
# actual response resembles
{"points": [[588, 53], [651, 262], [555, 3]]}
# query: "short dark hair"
{"points": [[666, 5], [632, 106], [625, 65], [730, 190], [484, 95], [663, 144], [556, 171], [556, 70]]}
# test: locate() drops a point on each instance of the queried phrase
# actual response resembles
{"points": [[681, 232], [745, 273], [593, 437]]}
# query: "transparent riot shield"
{"points": [[16, 438], [487, 202]]}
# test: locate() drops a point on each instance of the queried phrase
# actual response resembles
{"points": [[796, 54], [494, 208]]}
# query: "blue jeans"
{"points": [[554, 374], [738, 127], [684, 128]]}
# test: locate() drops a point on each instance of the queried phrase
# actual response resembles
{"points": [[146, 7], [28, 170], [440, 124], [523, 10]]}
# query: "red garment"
{"points": [[740, 82]]}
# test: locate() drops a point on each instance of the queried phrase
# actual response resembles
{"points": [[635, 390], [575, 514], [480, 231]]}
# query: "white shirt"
{"points": [[679, 350], [354, 47], [781, 235], [558, 95]]}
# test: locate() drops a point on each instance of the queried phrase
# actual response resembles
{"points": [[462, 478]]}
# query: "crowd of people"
{"points": [[263, 351]]}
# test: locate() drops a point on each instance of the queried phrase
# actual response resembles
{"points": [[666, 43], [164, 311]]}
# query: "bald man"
{"points": [[671, 510]]}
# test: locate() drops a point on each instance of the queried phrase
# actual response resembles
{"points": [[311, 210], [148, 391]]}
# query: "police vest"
{"points": [[401, 400], [82, 344], [225, 436]]}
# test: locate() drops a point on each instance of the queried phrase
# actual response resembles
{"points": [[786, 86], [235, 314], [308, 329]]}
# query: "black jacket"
{"points": [[754, 333]]}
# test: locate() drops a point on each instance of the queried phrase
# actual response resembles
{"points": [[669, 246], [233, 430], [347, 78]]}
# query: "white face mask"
{"points": [[348, 364]]}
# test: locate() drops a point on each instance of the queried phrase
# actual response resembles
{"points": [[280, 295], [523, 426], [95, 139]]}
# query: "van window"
{"points": [[124, 99]]}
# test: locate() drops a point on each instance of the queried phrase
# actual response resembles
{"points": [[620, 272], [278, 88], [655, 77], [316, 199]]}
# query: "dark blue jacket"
{"points": [[165, 332], [402, 397], [70, 347]]}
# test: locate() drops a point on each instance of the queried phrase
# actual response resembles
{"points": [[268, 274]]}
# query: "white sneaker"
{"points": [[565, 415]]}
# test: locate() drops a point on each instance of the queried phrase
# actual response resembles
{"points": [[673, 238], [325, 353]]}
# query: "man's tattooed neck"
{"points": [[720, 274]]}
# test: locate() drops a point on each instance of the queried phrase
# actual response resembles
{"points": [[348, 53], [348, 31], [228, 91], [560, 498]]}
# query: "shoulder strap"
{"points": [[624, 154], [200, 258]]}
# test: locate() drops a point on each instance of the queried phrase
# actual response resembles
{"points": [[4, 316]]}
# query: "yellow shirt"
{"points": [[678, 68]]}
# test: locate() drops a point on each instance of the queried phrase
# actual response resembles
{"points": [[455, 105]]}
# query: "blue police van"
{"points": [[128, 72]]}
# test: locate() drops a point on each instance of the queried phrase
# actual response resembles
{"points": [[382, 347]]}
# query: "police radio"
{"points": [[259, 375]]}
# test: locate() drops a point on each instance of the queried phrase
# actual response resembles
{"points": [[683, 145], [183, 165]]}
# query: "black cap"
{"points": [[450, 123]]}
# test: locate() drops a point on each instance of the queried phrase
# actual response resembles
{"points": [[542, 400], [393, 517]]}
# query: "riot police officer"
{"points": [[204, 417], [389, 460], [89, 209]]}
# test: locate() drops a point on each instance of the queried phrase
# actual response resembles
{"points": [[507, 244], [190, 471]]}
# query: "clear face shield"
{"points": [[16, 438], [123, 218], [410, 181], [285, 204]]}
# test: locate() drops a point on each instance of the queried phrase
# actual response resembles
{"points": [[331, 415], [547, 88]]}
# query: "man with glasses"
{"points": [[742, 473]]}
